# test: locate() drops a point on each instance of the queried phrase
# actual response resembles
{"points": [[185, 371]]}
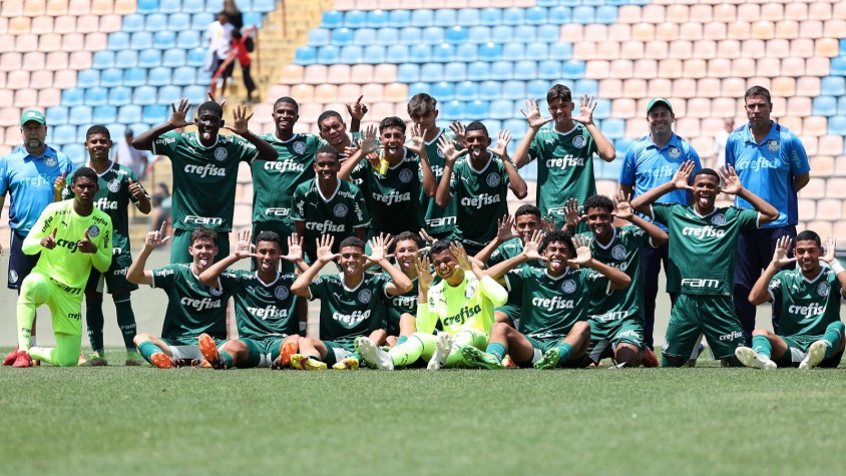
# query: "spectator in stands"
{"points": [[771, 162], [242, 46], [717, 157], [219, 37], [161, 207], [130, 157], [236, 18]]}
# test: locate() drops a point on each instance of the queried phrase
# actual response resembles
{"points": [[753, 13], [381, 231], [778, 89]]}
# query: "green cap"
{"points": [[33, 115], [658, 101]]}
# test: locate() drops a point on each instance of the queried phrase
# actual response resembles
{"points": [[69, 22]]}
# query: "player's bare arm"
{"points": [[451, 156], [418, 145], [603, 146], [759, 293], [137, 274], [680, 181], [144, 206], [536, 121], [400, 283], [324, 257], [144, 141], [625, 211], [241, 127], [733, 186], [504, 233], [515, 181], [584, 259]]}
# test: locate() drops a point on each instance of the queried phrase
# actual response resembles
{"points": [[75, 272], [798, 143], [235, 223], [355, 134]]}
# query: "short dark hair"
{"points": [[392, 121], [559, 236], [707, 171], [203, 234], [598, 201], [352, 241], [268, 235], [808, 235], [408, 235], [439, 246], [99, 129], [559, 91], [86, 172], [328, 149], [420, 103], [286, 100], [212, 107], [528, 209], [326, 115], [758, 91], [476, 126]]}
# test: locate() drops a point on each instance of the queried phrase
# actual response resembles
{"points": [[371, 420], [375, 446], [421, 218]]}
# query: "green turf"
{"points": [[705, 420]]}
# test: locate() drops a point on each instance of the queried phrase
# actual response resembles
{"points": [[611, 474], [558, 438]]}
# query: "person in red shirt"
{"points": [[242, 46]]}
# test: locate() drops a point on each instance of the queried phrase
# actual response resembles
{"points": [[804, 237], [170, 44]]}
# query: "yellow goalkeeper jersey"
{"points": [[470, 305]]}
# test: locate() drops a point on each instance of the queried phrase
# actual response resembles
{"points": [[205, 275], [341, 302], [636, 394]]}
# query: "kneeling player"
{"points": [[265, 309], [810, 333], [555, 304], [192, 309], [350, 303]]}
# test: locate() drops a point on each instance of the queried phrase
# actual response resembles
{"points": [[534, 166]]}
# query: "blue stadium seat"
{"points": [[253, 18], [188, 39], [560, 15], [433, 72], [158, 22], [502, 70], [397, 54], [513, 52], [319, 37], [170, 6], [64, 134], [493, 126], [195, 94], [583, 15], [502, 34], [332, 19], [477, 109], [103, 59], [445, 17], [537, 15], [150, 59], [443, 91], [490, 90], [467, 91], [355, 19], [525, 70], [468, 17], [126, 59], [479, 71], [374, 54], [133, 22], [420, 53], [573, 69], [501, 109], [443, 53], [118, 41], [490, 17], [305, 55], [159, 76], [173, 58], [129, 114], [517, 127], [141, 40], [105, 114], [560, 51], [422, 18], [201, 21], [514, 16], [837, 125], [377, 19], [88, 78], [549, 69], [352, 54], [264, 6], [73, 97], [842, 47], [613, 128], [57, 115], [825, 106], [621, 146], [490, 52], [134, 77], [456, 35], [612, 169], [399, 18], [387, 36], [515, 90], [537, 88], [147, 6], [340, 36], [586, 86], [196, 57], [833, 86], [606, 14], [184, 76], [193, 6], [179, 22], [164, 40], [410, 36], [537, 51], [467, 52], [144, 96], [525, 33], [364, 36], [80, 115], [203, 79], [841, 106], [479, 34], [453, 110], [548, 33], [120, 96], [433, 35], [76, 153], [110, 78], [838, 66], [417, 88], [155, 113], [603, 107], [547, 3], [409, 73], [455, 72]]}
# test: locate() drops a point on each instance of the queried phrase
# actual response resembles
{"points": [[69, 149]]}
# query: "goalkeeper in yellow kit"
{"points": [[72, 236]]}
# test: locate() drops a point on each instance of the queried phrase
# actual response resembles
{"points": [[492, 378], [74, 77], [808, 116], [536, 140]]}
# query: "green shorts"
{"points": [[65, 303], [797, 350], [694, 315], [262, 351], [541, 346], [115, 277], [182, 240], [338, 351], [511, 309], [606, 336], [284, 230]]}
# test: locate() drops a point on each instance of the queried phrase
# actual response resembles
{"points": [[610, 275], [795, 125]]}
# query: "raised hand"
{"points": [[417, 142], [352, 149], [572, 216], [457, 128], [457, 250], [586, 107], [357, 110], [324, 249], [135, 189], [426, 236], [155, 239], [177, 117], [681, 179], [502, 140], [85, 245], [295, 248], [548, 224], [533, 115], [505, 229], [830, 246], [379, 246], [368, 141], [730, 178], [583, 255], [424, 272], [49, 241], [447, 146], [624, 210], [780, 258], [244, 247], [60, 182], [532, 247], [242, 121]]}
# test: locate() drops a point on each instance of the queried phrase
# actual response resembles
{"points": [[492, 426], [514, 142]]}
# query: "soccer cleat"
{"points": [[208, 347], [752, 359], [94, 361], [350, 363], [816, 354], [373, 354], [477, 358], [285, 352], [23, 360], [161, 361], [443, 347], [301, 362], [549, 360], [134, 359], [649, 360], [10, 357]]}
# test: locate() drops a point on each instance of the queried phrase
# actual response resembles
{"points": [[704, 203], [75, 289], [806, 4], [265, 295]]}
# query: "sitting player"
{"points": [[349, 302], [463, 301], [810, 333], [554, 331], [265, 309], [192, 309], [401, 310]]}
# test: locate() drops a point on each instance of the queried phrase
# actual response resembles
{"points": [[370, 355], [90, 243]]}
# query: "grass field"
{"points": [[638, 421]]}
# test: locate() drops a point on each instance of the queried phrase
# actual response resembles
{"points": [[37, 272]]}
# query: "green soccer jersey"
{"points": [[204, 178], [392, 198], [438, 220], [274, 182], [551, 306], [337, 215], [65, 264], [565, 168], [192, 308], [511, 249], [622, 252], [703, 249], [346, 314], [480, 196], [807, 306], [262, 310], [470, 305], [113, 198], [396, 306]]}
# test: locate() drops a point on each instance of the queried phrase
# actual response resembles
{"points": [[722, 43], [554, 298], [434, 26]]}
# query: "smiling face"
{"points": [[269, 254], [477, 142], [351, 261], [208, 125], [426, 119], [285, 116], [561, 110], [405, 251], [326, 167], [445, 264], [599, 221], [98, 146], [393, 139], [706, 187], [84, 189], [203, 251], [660, 120], [334, 131], [758, 110], [526, 225], [808, 254], [556, 253]]}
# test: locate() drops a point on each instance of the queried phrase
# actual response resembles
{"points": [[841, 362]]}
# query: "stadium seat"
{"points": [[457, 35], [560, 51], [387, 36], [103, 59], [165, 40], [514, 16], [179, 22], [433, 35], [332, 19], [144, 96], [417, 88], [502, 34], [490, 16], [185, 76], [130, 114], [338, 37], [573, 69], [159, 76], [201, 21], [364, 36], [158, 22], [477, 110], [188, 39], [549, 69], [467, 91], [57, 115], [490, 52], [120, 96], [134, 77], [838, 66], [150, 58], [422, 18], [173, 58], [433, 72], [88, 78], [170, 6], [80, 115], [525, 70], [305, 55], [514, 90], [133, 23], [351, 54], [155, 113], [63, 134], [443, 53], [501, 109], [479, 34], [410, 36], [119, 41], [479, 71], [537, 15], [513, 52], [126, 59], [444, 17], [420, 53], [374, 54], [265, 6], [409, 73], [397, 54], [195, 94], [490, 90], [467, 52], [194, 6], [399, 18], [105, 114], [444, 90], [141, 40], [583, 15], [196, 57], [455, 72], [527, 33], [148, 6], [537, 51], [502, 70], [468, 17], [837, 125]]}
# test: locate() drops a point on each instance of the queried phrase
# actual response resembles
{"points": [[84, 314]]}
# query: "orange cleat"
{"points": [[649, 360], [10, 357], [23, 360], [286, 350], [208, 347], [161, 360]]}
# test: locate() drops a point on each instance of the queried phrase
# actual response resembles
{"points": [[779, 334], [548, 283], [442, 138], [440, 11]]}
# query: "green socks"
{"points": [[94, 318], [833, 336], [228, 362], [564, 350], [126, 320], [410, 350], [496, 350], [761, 345], [147, 349]]}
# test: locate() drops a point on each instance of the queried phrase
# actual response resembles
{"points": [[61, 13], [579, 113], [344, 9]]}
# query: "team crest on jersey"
{"points": [[406, 175], [340, 210], [773, 145], [364, 296], [281, 293], [114, 185], [492, 180], [220, 154], [440, 153], [93, 231], [215, 292], [13, 276], [579, 142], [675, 152], [50, 161], [823, 289], [718, 220], [618, 252], [299, 147], [469, 292], [569, 286]]}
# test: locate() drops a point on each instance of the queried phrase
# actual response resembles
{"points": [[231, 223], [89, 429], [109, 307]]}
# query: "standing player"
{"points": [[193, 308], [117, 187], [564, 151], [651, 161], [205, 170], [72, 236], [810, 333], [349, 302], [327, 205], [772, 162], [265, 308], [703, 253], [28, 174], [478, 184]]}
